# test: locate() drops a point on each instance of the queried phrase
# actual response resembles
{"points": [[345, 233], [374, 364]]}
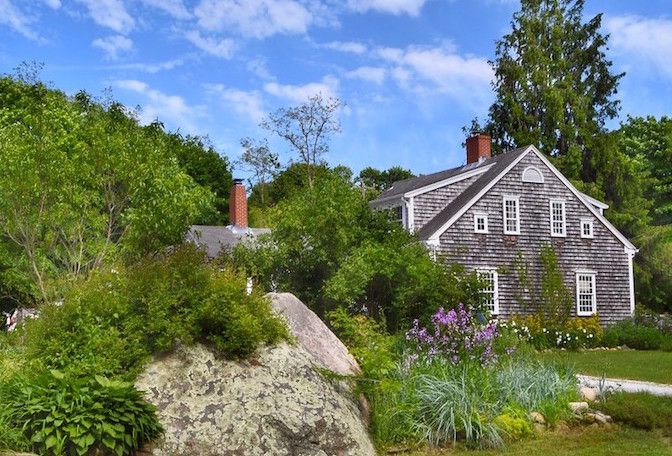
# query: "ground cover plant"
{"points": [[639, 410], [652, 366], [639, 337]]}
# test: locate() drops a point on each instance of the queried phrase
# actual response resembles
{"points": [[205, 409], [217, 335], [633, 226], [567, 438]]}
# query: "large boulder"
{"points": [[279, 402], [313, 335]]}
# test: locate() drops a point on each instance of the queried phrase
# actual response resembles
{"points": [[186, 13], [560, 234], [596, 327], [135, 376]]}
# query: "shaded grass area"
{"points": [[652, 366], [577, 442]]}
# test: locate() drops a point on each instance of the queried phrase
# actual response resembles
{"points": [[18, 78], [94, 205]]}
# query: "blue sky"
{"points": [[412, 72]]}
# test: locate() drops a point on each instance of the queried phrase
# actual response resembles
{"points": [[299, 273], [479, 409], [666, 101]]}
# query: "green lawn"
{"points": [[587, 442], [652, 366]]}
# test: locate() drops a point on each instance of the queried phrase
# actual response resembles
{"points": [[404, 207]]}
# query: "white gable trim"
{"points": [[435, 237], [594, 210], [595, 202], [585, 202]]}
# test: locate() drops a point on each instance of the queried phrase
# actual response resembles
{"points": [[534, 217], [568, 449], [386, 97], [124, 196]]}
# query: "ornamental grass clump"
{"points": [[455, 336]]}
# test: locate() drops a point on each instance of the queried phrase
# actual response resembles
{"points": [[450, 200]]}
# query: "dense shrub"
{"points": [[635, 336], [640, 410], [111, 323], [62, 416], [647, 317], [573, 334]]}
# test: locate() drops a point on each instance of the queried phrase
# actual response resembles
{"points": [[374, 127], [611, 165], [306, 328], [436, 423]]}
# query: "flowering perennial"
{"points": [[455, 336]]}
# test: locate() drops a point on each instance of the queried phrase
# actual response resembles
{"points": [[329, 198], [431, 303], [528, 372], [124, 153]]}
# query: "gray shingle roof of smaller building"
{"points": [[501, 163], [399, 188], [215, 239]]}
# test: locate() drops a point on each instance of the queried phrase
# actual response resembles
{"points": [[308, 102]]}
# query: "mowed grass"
{"points": [[619, 441], [652, 366]]}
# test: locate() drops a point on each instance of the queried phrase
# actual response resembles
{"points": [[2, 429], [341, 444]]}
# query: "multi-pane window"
{"points": [[480, 223], [586, 228], [397, 214], [490, 291], [586, 303], [511, 215], [558, 218]]}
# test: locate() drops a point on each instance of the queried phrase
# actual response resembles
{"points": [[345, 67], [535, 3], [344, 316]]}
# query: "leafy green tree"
{"points": [[554, 85], [382, 180], [307, 129], [648, 141], [208, 168], [81, 183], [653, 268]]}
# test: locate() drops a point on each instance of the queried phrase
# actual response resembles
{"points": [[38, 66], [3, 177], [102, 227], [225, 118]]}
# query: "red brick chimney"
{"points": [[238, 205], [478, 147]]}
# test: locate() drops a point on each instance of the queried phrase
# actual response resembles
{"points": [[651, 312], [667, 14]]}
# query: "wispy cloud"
{"points": [[299, 93], [174, 8], [247, 103], [111, 14], [113, 45], [254, 18], [53, 4], [410, 7], [346, 46], [644, 40], [12, 17], [159, 105], [368, 73], [430, 70], [219, 47]]}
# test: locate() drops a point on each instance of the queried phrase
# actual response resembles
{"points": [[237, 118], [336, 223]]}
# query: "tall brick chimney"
{"points": [[478, 147], [238, 205]]}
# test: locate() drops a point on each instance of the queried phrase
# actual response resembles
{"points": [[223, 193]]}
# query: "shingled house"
{"points": [[496, 211]]}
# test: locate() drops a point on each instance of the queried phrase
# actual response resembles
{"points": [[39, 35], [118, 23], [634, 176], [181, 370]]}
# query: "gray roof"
{"points": [[215, 239], [399, 188], [501, 163]]}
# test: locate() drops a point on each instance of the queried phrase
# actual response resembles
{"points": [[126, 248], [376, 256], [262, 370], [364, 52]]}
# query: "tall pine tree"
{"points": [[553, 84]]}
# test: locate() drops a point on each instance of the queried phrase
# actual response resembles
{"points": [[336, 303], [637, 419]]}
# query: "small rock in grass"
{"points": [[537, 418], [588, 393], [578, 407], [538, 427]]}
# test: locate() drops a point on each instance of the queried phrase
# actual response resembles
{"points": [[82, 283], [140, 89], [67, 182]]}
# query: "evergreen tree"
{"points": [[553, 84]]}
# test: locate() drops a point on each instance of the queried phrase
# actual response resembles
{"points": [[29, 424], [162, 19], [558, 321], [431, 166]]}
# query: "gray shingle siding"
{"points": [[603, 254], [427, 205]]}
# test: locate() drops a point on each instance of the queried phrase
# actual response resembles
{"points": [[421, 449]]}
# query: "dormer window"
{"points": [[480, 223]]}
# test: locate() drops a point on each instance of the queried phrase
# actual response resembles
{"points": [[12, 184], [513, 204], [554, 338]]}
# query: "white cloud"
{"points": [[16, 20], [300, 93], [175, 8], [368, 73], [218, 47], [113, 45], [249, 104], [254, 18], [645, 40], [441, 70], [162, 106], [410, 7], [347, 46], [111, 14], [53, 4]]}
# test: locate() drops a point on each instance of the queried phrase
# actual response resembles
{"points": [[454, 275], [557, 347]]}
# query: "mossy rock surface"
{"points": [[277, 403]]}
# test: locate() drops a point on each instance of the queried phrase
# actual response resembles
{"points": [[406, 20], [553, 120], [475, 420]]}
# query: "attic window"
{"points": [[532, 174]]}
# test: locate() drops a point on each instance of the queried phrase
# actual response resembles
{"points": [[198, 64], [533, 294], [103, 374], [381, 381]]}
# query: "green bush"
{"points": [[639, 410], [62, 416], [113, 322], [634, 336]]}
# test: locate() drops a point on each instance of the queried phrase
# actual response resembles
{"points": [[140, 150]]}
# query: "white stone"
{"points": [[589, 394], [578, 407]]}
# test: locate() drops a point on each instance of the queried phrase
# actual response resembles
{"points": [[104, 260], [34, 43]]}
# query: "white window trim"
{"points": [[593, 311], [515, 198], [592, 228], [528, 179], [495, 285], [564, 218], [478, 215]]}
